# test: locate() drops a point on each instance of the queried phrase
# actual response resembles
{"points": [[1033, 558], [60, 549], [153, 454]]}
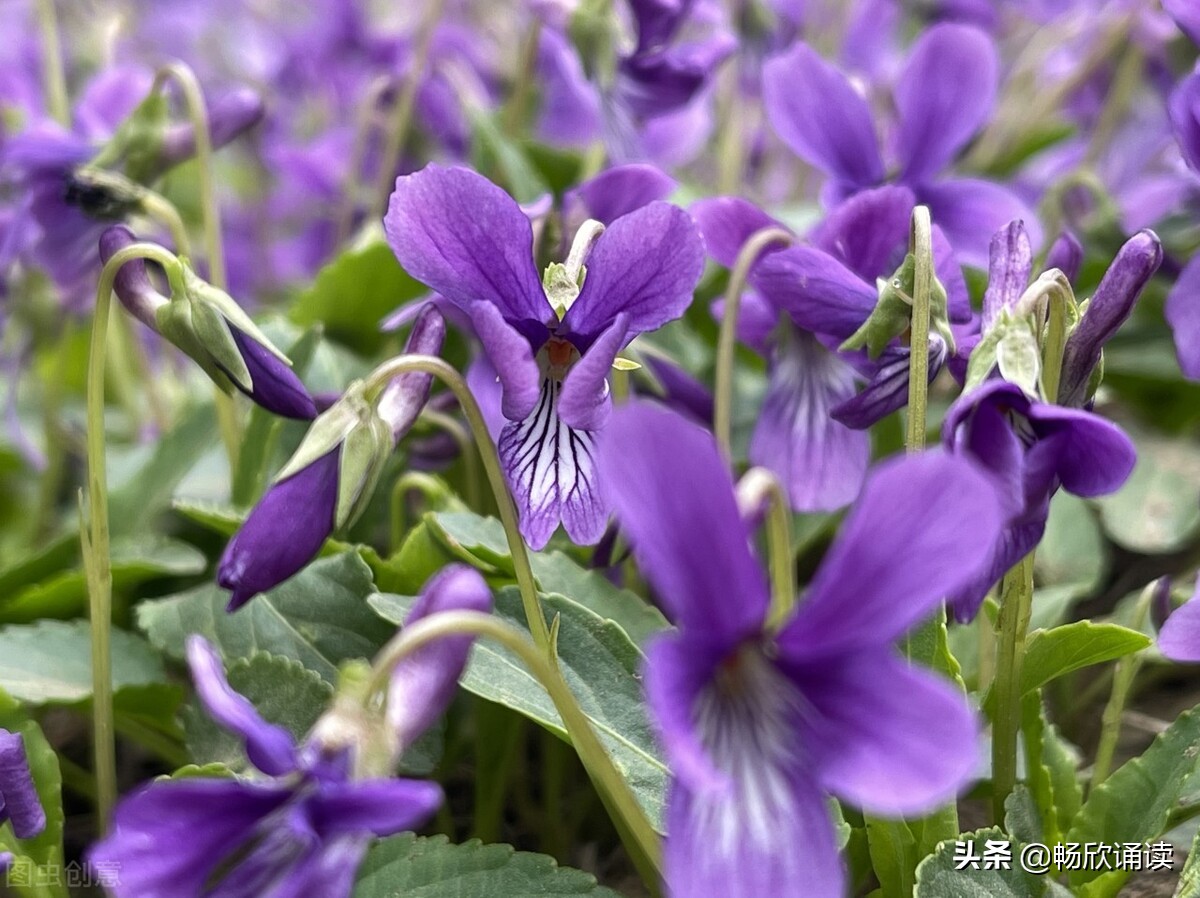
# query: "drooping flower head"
{"points": [[761, 725], [328, 481], [552, 342]]}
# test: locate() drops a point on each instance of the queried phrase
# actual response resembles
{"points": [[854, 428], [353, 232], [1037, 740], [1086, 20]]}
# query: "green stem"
{"points": [[54, 79], [362, 132], [466, 449], [1123, 677], [517, 109], [1059, 298], [608, 780], [727, 340], [759, 487], [1016, 604], [918, 359], [403, 110], [444, 372], [162, 210], [197, 110], [94, 539], [426, 484]]}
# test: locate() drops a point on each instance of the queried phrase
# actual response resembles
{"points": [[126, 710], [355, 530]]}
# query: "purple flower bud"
{"points": [[1010, 262], [283, 533], [19, 803], [1066, 255], [271, 384], [228, 117], [403, 398], [423, 684], [1107, 310]]}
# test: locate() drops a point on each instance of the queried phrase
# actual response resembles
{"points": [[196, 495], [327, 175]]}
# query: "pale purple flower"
{"points": [[299, 830], [942, 98], [761, 724], [468, 240]]}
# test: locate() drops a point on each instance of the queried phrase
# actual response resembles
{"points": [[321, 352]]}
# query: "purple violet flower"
{"points": [[467, 239], [19, 802], [1179, 629], [805, 300], [943, 96], [302, 830], [328, 481], [760, 725]]}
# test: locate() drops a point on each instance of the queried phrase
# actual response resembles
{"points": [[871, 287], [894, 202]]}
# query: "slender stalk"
{"points": [[1056, 341], [365, 122], [96, 557], [1015, 608], [1126, 671], [444, 372], [521, 98], [759, 487], [466, 448], [426, 484], [403, 111], [918, 359], [193, 98], [608, 780], [54, 79], [727, 340], [162, 210]]}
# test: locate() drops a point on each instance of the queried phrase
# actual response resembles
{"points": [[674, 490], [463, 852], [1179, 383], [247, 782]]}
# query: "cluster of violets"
{"points": [[763, 716]]}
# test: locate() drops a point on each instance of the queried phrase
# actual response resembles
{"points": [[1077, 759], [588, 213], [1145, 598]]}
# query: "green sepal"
{"points": [[892, 315], [365, 452], [1011, 345], [356, 723], [212, 332], [175, 323], [327, 431], [199, 290]]}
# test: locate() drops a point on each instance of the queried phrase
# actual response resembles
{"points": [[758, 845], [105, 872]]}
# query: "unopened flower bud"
{"points": [[1105, 312], [19, 802]]}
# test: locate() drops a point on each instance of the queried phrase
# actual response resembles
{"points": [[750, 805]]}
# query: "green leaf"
{"points": [[64, 593], [284, 692], [1051, 653], [355, 291], [503, 161], [319, 617], [1022, 819], [408, 866], [894, 856], [1156, 511], [46, 849], [1189, 878], [50, 662], [937, 878], [600, 664], [1052, 770], [1133, 804], [474, 539], [1072, 549], [140, 492]]}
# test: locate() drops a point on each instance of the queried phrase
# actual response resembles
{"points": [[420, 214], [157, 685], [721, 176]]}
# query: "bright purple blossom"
{"points": [[301, 830], [761, 725], [19, 802], [805, 300], [465, 238], [1179, 629], [942, 98]]}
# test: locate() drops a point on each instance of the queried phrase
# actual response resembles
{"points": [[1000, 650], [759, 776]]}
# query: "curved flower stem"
{"points": [[727, 340], [162, 210], [608, 780], [54, 80], [402, 113], [918, 359], [1016, 603], [411, 481], [362, 133], [759, 487], [443, 371], [466, 447], [193, 97], [94, 539], [1123, 677]]}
